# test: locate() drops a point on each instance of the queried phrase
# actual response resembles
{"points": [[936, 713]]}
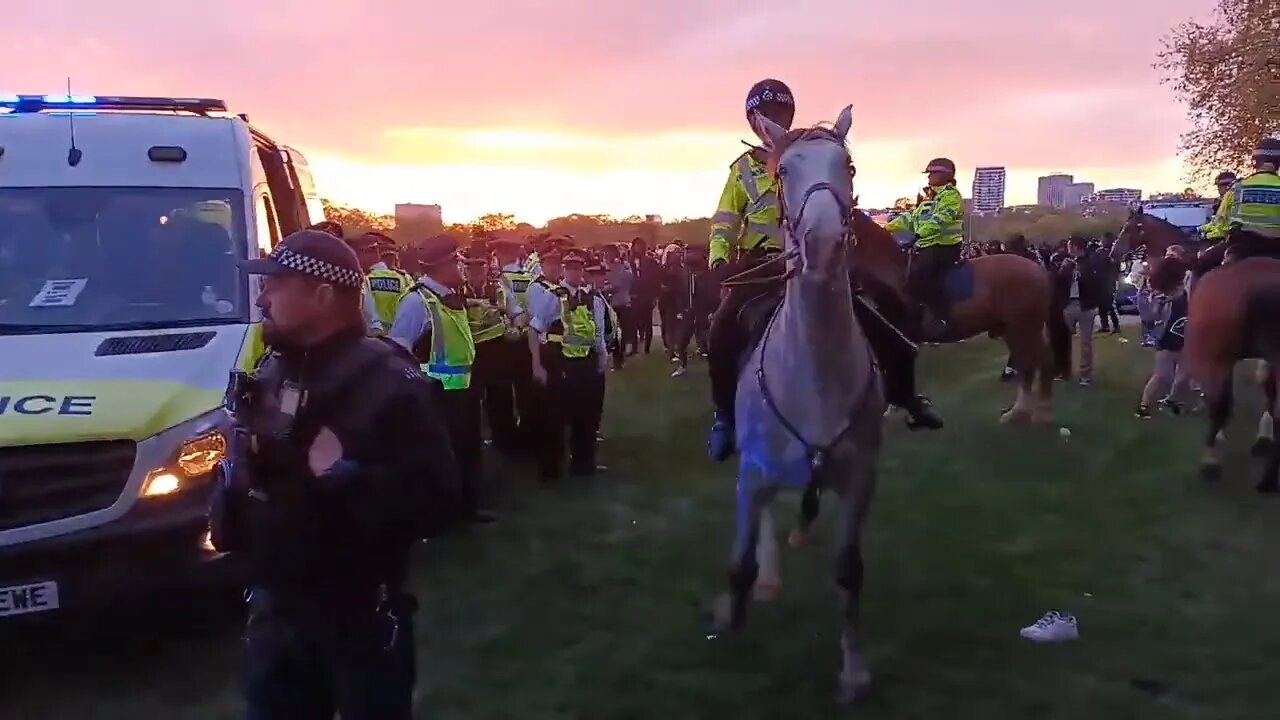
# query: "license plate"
{"points": [[24, 599]]}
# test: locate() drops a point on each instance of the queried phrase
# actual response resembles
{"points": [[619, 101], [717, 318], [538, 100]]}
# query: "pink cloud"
{"points": [[959, 76]]}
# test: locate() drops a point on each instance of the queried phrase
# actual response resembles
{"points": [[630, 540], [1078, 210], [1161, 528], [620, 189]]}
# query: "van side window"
{"points": [[268, 229]]}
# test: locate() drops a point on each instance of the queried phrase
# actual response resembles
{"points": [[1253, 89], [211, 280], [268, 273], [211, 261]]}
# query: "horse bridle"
{"points": [[817, 453]]}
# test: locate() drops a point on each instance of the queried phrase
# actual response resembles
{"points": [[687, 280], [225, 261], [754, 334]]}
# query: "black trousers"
{"points": [[924, 281], [682, 331], [509, 395], [462, 416], [1108, 318], [642, 321], [571, 405], [359, 664]]}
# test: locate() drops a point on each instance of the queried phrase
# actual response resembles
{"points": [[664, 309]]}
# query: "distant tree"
{"points": [[494, 222], [355, 221], [903, 203], [1228, 75]]}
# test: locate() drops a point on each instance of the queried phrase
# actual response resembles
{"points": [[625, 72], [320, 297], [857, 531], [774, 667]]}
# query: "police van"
{"points": [[121, 314]]}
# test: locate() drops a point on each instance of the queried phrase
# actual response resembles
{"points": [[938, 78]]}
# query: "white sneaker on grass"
{"points": [[1052, 628], [680, 371]]}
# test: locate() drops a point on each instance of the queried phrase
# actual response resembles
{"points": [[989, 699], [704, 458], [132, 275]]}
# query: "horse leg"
{"points": [[855, 677], [810, 503], [729, 611], [1024, 361], [1043, 414], [1266, 424], [768, 584], [1219, 398], [1270, 482]]}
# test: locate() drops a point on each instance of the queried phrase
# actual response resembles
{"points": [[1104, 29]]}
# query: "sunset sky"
{"points": [[545, 107]]}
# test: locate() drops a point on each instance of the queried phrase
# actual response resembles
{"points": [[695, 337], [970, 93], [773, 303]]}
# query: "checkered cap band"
{"points": [[316, 268]]}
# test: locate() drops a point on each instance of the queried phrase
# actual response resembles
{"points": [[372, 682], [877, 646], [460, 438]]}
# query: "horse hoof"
{"points": [[798, 538], [1210, 471], [1261, 447], [853, 691], [766, 591], [718, 616], [1017, 417]]}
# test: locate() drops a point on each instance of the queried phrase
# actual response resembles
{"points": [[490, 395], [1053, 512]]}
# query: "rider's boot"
{"points": [[724, 347], [896, 355]]}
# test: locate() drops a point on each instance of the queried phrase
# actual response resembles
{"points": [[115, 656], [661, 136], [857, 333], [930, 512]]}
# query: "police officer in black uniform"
{"points": [[339, 463]]}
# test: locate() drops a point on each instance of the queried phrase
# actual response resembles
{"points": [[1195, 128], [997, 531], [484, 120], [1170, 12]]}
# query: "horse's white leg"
{"points": [[1019, 412], [855, 677], [769, 583], [1266, 424], [729, 612]]}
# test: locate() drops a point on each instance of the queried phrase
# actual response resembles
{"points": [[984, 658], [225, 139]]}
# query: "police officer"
{"points": [[745, 230], [597, 280], [339, 462], [490, 311], [386, 284], [1216, 230], [569, 363], [937, 226], [1248, 215], [511, 411], [432, 323]]}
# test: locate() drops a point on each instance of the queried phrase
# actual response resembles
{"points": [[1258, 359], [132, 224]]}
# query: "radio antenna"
{"points": [[74, 154]]}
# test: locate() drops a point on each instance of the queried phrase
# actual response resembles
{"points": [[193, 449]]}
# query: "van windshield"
{"points": [[83, 259]]}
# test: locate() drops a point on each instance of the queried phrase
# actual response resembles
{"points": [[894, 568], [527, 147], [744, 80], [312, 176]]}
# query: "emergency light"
{"points": [[37, 103]]}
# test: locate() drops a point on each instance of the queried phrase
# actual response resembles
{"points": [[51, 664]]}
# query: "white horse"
{"points": [[809, 402]]}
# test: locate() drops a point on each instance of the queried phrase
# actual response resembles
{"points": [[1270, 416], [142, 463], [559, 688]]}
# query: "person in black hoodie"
{"points": [[1081, 279], [340, 462]]}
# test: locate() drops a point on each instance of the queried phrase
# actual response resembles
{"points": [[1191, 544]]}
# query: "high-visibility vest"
{"points": [[517, 283], [575, 330], [747, 216], [1256, 204], [484, 315], [453, 350], [387, 286]]}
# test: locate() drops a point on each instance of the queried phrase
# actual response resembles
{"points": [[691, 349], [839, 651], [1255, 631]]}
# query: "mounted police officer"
{"points": [[745, 231], [937, 226], [1248, 215], [339, 463]]}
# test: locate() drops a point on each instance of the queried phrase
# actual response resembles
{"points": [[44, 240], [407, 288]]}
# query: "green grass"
{"points": [[584, 602]]}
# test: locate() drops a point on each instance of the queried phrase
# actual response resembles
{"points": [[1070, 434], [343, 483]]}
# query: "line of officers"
{"points": [[517, 337]]}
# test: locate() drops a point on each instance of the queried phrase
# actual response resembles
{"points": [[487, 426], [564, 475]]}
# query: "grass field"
{"points": [[584, 602]]}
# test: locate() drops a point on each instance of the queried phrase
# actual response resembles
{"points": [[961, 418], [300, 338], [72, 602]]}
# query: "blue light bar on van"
{"points": [[36, 103]]}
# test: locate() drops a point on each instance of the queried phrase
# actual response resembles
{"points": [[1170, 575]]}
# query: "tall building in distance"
{"points": [[418, 221], [1051, 190], [988, 190], [1077, 194]]}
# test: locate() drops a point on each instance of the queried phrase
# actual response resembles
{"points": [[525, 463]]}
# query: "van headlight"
{"points": [[204, 446]]}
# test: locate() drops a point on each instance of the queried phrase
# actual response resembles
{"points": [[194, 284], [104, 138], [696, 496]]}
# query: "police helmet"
{"points": [[1268, 151], [772, 99], [1226, 177]]}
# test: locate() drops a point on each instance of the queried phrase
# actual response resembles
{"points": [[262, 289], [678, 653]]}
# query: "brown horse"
{"points": [[1233, 315], [1004, 296]]}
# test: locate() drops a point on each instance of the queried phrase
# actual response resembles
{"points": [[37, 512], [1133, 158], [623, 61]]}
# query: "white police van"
{"points": [[121, 313]]}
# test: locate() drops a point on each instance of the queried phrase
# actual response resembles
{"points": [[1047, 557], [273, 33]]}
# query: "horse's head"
{"points": [[1143, 230], [814, 174]]}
